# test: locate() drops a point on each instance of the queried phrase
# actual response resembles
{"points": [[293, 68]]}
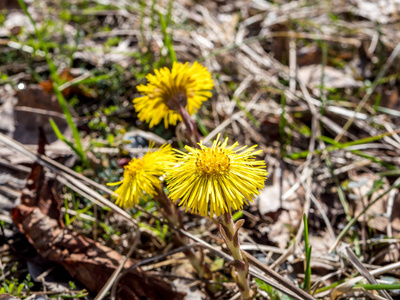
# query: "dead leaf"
{"points": [[24, 111], [41, 192], [67, 75], [285, 216], [308, 55], [64, 76], [390, 98], [281, 43]]}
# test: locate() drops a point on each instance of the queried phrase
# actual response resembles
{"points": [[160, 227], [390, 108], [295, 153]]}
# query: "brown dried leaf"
{"points": [[86, 260], [285, 216], [33, 109]]}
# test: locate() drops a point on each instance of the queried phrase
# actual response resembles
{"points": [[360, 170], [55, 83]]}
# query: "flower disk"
{"points": [[218, 179], [142, 176], [185, 85]]}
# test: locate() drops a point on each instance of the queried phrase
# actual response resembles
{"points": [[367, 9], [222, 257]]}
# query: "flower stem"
{"points": [[230, 232], [193, 133]]}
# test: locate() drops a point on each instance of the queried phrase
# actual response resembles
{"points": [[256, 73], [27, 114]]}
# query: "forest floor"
{"points": [[313, 83]]}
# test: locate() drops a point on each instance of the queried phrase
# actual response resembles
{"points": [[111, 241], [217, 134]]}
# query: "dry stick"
{"points": [[323, 279], [364, 272], [221, 126], [115, 274], [375, 272], [316, 117], [70, 181], [289, 34], [389, 213], [370, 91]]}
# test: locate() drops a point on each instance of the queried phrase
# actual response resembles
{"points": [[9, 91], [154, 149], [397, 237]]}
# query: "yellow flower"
{"points": [[217, 178], [142, 176], [186, 86]]}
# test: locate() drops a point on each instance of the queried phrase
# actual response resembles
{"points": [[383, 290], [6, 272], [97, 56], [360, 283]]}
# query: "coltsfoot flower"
{"points": [[142, 176], [185, 85], [216, 179]]}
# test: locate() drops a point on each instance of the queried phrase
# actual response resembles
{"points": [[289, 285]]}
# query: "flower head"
{"points": [[185, 85], [217, 178], [142, 176]]}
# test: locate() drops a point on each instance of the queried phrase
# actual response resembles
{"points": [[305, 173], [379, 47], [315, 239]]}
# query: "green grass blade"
{"points": [[307, 271], [382, 286], [61, 137], [167, 38], [201, 126], [337, 145]]}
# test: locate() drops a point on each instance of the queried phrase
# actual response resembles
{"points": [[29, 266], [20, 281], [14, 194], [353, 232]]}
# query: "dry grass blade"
{"points": [[364, 272], [347, 286], [276, 276], [113, 277]]}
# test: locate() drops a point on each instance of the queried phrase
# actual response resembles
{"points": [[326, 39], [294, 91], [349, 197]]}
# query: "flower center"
{"points": [[134, 166], [212, 161]]}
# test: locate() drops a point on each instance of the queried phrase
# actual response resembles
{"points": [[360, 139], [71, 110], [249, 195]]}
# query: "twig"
{"points": [[116, 273]]}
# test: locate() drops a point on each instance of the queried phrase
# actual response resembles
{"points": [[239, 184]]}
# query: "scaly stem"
{"points": [[229, 232], [193, 134]]}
